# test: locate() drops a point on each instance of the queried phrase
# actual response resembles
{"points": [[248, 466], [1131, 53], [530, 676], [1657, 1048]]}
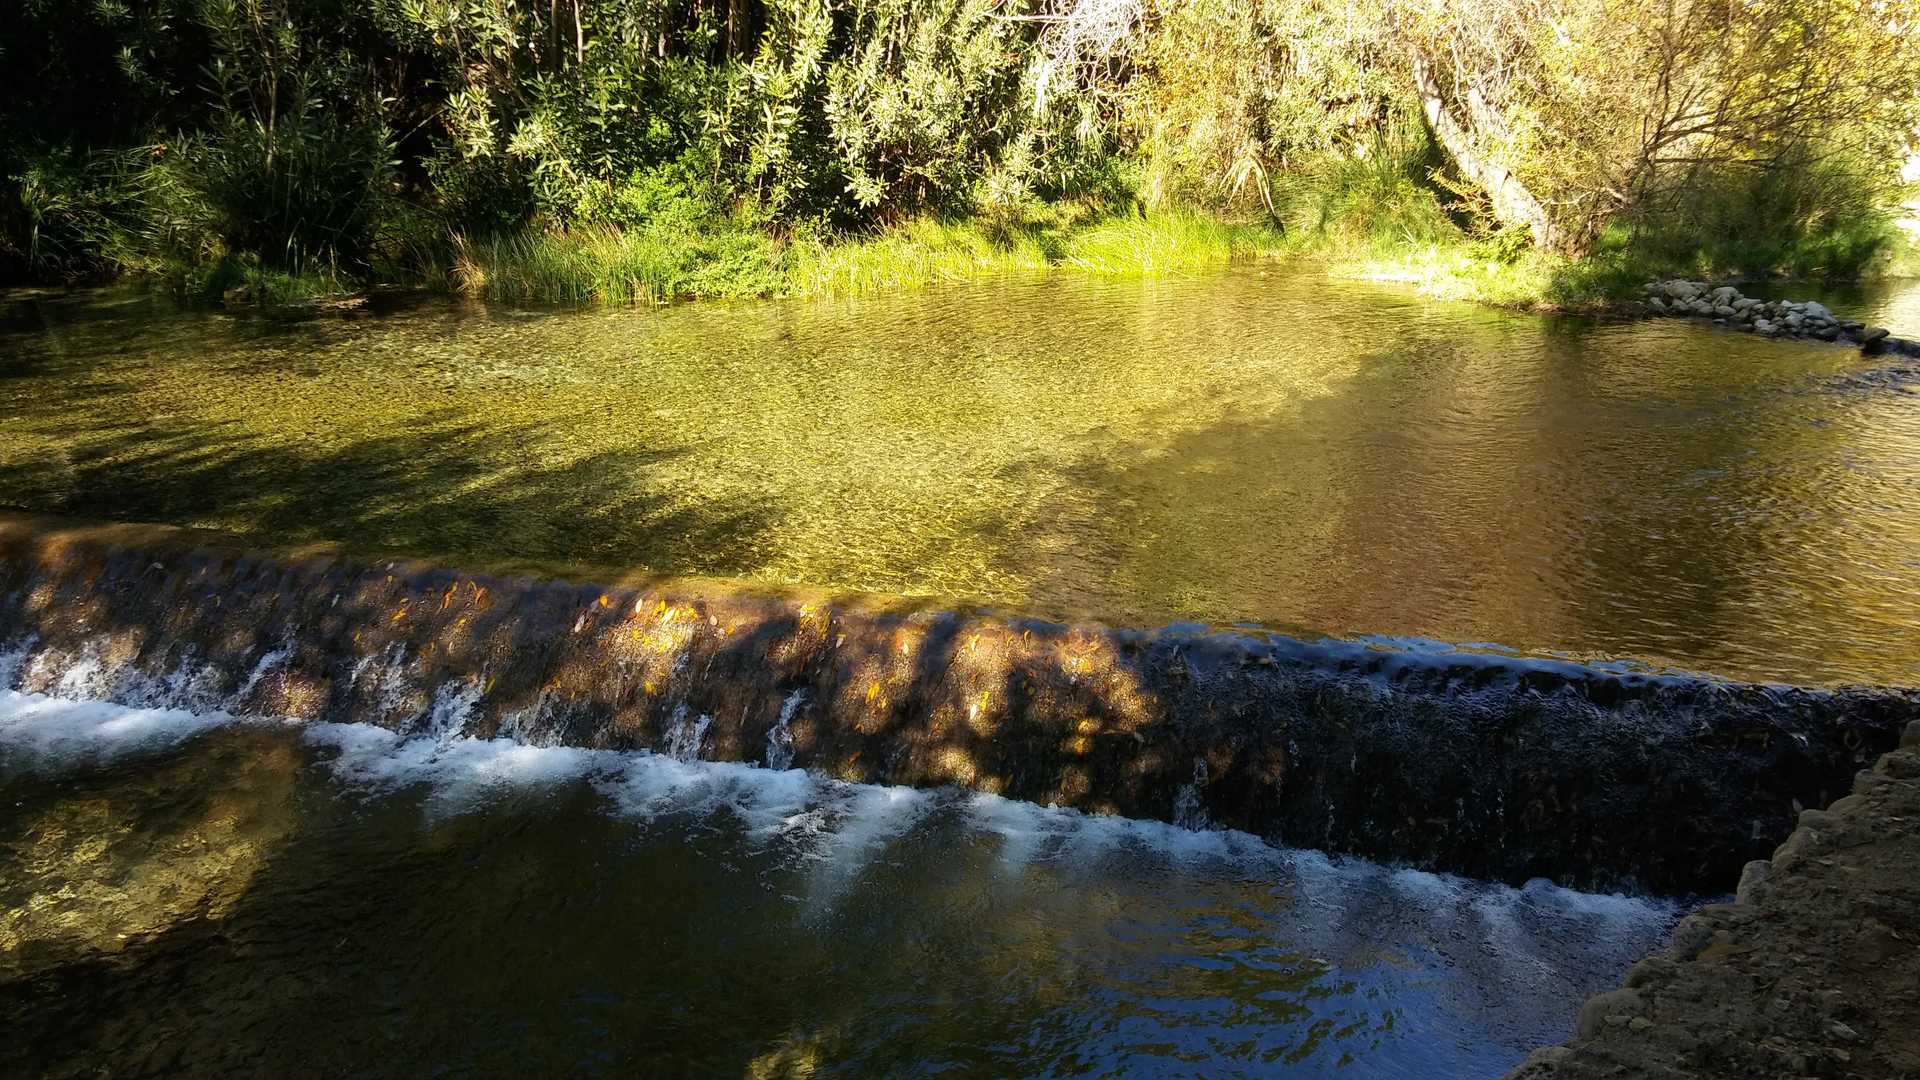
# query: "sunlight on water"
{"points": [[1253, 446]]}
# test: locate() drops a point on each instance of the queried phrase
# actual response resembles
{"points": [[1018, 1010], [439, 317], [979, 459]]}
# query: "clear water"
{"points": [[189, 894], [1258, 446]]}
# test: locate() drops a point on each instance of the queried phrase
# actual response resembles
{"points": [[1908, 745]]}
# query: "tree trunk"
{"points": [[1513, 204]]}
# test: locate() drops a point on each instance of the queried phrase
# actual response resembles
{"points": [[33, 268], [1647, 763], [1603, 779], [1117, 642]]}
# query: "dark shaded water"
{"points": [[183, 894], [1254, 446]]}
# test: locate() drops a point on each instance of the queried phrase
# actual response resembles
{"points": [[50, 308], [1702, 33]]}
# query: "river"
{"points": [[1258, 447]]}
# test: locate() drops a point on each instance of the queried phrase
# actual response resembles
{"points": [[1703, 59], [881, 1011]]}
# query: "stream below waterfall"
{"points": [[189, 893]]}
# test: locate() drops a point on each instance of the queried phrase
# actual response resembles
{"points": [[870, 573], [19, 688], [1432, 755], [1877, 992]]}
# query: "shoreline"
{"points": [[1812, 970]]}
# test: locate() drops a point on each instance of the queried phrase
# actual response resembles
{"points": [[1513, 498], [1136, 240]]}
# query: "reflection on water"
{"points": [[1254, 447], [253, 898]]}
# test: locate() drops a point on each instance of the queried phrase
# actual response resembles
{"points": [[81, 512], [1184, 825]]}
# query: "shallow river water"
{"points": [[193, 895], [1258, 446]]}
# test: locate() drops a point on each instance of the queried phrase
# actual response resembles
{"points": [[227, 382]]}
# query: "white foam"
{"points": [[268, 662], [835, 831], [43, 730]]}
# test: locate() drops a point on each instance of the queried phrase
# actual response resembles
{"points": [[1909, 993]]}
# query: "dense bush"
{"points": [[198, 139]]}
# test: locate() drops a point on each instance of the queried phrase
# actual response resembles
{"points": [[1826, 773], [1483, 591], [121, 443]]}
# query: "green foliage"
{"points": [[601, 263], [642, 149], [58, 209], [1167, 243], [1815, 211], [881, 108], [1384, 190], [916, 254]]}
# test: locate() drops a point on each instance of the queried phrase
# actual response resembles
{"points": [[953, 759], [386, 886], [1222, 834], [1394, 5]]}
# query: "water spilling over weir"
{"points": [[1489, 766]]}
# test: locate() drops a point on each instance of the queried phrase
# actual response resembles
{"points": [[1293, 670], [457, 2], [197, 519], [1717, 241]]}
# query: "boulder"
{"points": [[1725, 294], [1818, 311], [1681, 290]]}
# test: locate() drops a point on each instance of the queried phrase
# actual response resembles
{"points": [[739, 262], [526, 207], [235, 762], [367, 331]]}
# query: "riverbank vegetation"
{"points": [[1523, 152]]}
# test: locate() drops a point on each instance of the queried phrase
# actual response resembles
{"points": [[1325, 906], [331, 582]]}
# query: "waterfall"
{"points": [[1514, 767], [780, 739], [686, 736], [1189, 812]]}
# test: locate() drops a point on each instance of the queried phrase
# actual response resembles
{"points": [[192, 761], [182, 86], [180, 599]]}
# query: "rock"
{"points": [[1899, 766], [1763, 326], [1602, 1009], [1753, 880], [1827, 332], [1818, 311], [1658, 305], [1725, 294], [1681, 290], [1874, 340], [1725, 311], [1910, 738]]}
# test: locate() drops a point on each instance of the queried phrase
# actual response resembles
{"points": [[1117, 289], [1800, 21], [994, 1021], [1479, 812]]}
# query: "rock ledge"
{"points": [[1812, 971]]}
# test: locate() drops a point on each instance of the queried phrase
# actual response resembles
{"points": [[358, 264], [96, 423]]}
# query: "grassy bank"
{"points": [[728, 260], [1380, 230]]}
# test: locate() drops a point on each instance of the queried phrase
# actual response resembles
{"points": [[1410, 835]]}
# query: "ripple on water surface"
{"points": [[192, 893], [1254, 446]]}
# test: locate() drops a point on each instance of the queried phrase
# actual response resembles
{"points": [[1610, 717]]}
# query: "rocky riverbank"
{"points": [[1812, 971], [1725, 306]]}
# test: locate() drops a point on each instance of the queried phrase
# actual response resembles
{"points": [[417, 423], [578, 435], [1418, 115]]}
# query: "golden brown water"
{"points": [[1254, 446]]}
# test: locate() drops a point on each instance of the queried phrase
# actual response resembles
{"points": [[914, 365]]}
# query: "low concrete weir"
{"points": [[1490, 766]]}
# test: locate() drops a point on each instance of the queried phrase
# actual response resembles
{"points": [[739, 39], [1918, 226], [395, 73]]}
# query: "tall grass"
{"points": [[1166, 243], [919, 253], [606, 264]]}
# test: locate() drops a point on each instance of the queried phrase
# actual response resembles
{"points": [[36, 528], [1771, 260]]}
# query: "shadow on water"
{"points": [[447, 486]]}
